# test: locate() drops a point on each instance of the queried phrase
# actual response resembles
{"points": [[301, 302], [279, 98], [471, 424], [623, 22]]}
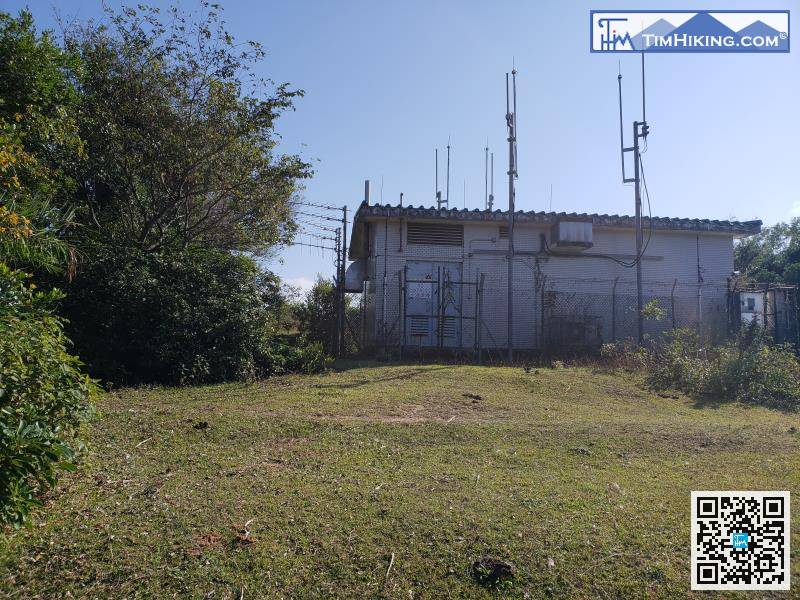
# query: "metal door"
{"points": [[450, 305], [433, 304]]}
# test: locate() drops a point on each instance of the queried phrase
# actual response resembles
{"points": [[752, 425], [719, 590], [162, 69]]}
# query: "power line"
{"points": [[305, 214], [314, 246], [323, 206], [310, 224], [317, 236], [340, 248]]}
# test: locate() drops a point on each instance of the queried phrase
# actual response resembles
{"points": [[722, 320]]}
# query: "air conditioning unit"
{"points": [[572, 235]]}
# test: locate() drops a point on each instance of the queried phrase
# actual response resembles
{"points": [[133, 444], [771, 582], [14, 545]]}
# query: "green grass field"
{"points": [[388, 481]]}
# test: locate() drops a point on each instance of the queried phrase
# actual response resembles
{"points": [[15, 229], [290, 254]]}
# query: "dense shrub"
{"points": [[43, 396], [748, 369], [174, 317], [283, 358], [316, 314], [317, 318], [624, 354]]}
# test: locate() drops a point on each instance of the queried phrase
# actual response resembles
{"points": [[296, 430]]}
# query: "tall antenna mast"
{"points": [[640, 131], [486, 176], [447, 189], [644, 107], [511, 125], [491, 184], [436, 193]]}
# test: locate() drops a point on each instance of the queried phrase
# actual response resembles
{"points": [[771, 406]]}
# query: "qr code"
{"points": [[740, 540]]}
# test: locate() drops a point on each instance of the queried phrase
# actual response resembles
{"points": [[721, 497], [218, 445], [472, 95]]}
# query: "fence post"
{"points": [[734, 307], [401, 276], [796, 306], [541, 315], [438, 307], [478, 320], [700, 335], [474, 314], [776, 317], [364, 295], [672, 302], [614, 310]]}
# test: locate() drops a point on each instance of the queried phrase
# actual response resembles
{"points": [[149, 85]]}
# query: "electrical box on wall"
{"points": [[572, 234]]}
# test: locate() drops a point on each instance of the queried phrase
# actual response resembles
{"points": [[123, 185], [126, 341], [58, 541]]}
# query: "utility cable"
{"points": [[626, 264]]}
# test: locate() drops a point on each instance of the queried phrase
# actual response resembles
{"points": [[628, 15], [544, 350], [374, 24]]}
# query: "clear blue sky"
{"points": [[387, 82]]}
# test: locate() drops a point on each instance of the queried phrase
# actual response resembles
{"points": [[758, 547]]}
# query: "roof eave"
{"points": [[735, 228]]}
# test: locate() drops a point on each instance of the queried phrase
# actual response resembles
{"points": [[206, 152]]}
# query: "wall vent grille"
{"points": [[419, 326], [448, 327], [435, 234]]}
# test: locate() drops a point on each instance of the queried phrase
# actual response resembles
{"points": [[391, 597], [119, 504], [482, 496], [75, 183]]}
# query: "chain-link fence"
{"points": [[550, 313], [559, 313], [773, 307], [585, 313]]}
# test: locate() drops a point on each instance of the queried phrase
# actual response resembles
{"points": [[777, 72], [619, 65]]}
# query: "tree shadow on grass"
{"points": [[403, 375], [701, 402]]}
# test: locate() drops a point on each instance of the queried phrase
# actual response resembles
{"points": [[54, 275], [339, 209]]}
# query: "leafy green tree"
{"points": [[316, 314], [44, 396], [773, 256], [39, 145], [181, 135]]}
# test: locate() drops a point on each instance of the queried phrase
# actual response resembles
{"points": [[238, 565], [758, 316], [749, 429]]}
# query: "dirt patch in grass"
{"points": [[204, 542]]}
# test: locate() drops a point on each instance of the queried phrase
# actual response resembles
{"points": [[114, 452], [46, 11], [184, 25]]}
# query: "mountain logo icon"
{"points": [[690, 31]]}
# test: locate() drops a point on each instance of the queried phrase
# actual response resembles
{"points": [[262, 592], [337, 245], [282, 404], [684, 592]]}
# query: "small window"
{"points": [[435, 234], [503, 233]]}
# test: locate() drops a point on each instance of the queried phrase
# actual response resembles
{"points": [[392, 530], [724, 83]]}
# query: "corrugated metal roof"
{"points": [[422, 212], [381, 211]]}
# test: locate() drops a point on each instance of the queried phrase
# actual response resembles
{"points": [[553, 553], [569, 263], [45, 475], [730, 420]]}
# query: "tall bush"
{"points": [[316, 314], [748, 369], [189, 316], [44, 397]]}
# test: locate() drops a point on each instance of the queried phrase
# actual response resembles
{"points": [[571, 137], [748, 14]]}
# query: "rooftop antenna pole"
{"points": [[436, 190], [644, 109], [511, 125], [514, 86], [486, 176], [621, 136], [447, 188], [640, 131], [491, 184]]}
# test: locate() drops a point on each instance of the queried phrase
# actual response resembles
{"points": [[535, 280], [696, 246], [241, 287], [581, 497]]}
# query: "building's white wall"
{"points": [[670, 262]]}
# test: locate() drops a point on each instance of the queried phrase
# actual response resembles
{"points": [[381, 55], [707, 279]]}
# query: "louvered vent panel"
{"points": [[448, 327], [435, 234], [503, 233], [419, 326]]}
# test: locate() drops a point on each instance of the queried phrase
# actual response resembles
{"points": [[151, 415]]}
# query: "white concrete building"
{"points": [[438, 277]]}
